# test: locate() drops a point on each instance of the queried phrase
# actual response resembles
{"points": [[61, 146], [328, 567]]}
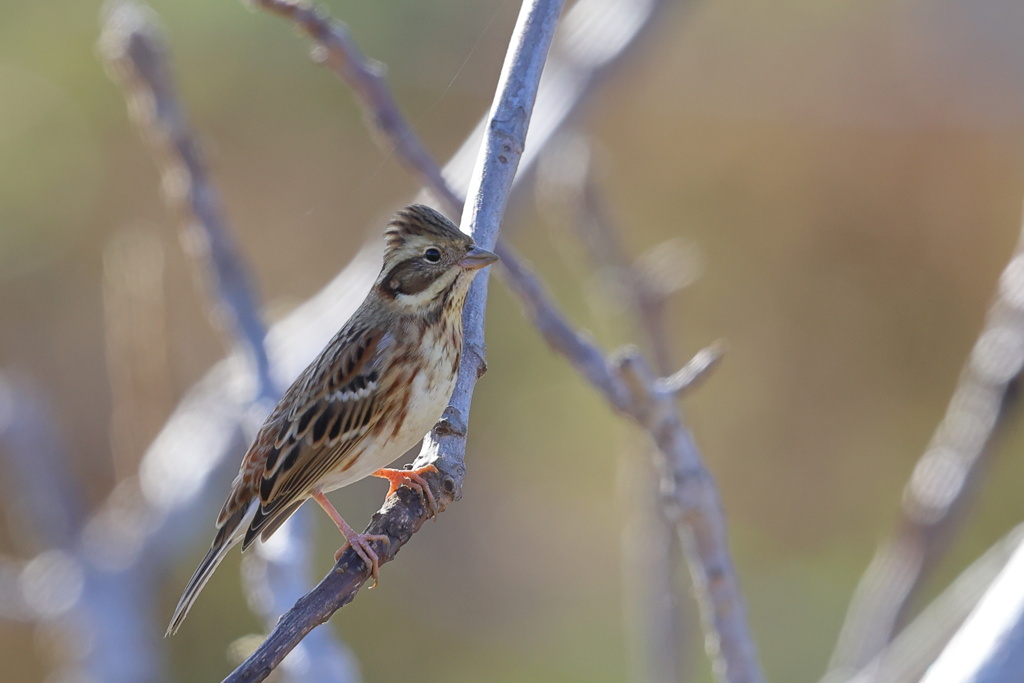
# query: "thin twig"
{"points": [[445, 446], [696, 369], [938, 491]]}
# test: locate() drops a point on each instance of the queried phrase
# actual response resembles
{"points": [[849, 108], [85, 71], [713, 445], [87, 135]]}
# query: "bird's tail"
{"points": [[227, 536]]}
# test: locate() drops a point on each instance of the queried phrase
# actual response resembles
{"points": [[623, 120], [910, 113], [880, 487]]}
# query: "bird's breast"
{"points": [[421, 382], [431, 380]]}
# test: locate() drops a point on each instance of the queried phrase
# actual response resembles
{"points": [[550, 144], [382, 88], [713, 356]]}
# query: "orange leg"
{"points": [[359, 542], [414, 480]]}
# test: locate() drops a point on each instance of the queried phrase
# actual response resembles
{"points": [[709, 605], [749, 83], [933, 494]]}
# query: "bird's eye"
{"points": [[432, 255]]}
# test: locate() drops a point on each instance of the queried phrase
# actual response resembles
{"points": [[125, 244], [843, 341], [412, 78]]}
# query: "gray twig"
{"points": [[445, 446], [939, 487]]}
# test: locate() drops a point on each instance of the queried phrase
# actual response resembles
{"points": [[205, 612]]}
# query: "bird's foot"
{"points": [[361, 544], [414, 480], [358, 542]]}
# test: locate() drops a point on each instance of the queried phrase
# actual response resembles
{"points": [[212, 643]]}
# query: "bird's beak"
{"points": [[477, 258]]}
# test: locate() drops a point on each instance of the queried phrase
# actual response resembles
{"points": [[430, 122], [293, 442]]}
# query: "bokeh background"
{"points": [[847, 175]]}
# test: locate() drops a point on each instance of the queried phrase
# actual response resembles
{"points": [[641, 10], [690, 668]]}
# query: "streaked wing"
{"points": [[323, 415]]}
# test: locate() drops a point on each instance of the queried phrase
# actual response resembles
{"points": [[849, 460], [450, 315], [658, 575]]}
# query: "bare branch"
{"points": [[445, 446], [937, 492], [277, 577]]}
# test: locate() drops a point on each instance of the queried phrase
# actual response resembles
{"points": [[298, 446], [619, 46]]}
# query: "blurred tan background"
{"points": [[850, 174]]}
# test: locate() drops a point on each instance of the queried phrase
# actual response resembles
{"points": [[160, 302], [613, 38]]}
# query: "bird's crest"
{"points": [[417, 223]]}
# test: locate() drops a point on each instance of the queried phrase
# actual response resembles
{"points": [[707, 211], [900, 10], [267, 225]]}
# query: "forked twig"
{"points": [[689, 490]]}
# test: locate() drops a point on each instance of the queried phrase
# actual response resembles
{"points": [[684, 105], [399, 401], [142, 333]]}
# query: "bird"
{"points": [[374, 391]]}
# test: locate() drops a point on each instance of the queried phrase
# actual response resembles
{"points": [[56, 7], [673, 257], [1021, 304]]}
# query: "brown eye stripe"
{"points": [[410, 278]]}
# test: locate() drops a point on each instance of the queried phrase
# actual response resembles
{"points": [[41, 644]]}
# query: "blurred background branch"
{"points": [[137, 55], [939, 491], [139, 59], [907, 657], [567, 190], [989, 646]]}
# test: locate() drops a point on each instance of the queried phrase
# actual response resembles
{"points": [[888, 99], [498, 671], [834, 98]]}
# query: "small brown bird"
{"points": [[378, 387]]}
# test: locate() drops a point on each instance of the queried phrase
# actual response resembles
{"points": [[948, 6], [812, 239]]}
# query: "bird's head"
{"points": [[426, 259]]}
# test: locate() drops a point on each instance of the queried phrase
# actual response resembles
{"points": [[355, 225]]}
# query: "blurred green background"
{"points": [[850, 175]]}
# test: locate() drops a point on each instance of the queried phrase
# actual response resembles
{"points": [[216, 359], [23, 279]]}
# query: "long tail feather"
{"points": [[227, 536]]}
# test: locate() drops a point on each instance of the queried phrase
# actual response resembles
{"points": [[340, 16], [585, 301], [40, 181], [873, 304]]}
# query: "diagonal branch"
{"points": [[989, 646], [938, 491], [445, 446], [335, 49]]}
